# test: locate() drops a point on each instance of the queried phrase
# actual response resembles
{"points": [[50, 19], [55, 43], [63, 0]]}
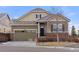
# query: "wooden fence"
{"points": [[4, 37]]}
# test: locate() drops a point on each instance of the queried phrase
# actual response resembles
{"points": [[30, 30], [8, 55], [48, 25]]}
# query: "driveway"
{"points": [[19, 43]]}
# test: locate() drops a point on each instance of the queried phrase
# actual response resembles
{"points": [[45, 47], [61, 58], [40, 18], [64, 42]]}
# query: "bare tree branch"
{"points": [[56, 10]]}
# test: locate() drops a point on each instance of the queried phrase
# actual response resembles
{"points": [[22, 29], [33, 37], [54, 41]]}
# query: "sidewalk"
{"points": [[33, 44]]}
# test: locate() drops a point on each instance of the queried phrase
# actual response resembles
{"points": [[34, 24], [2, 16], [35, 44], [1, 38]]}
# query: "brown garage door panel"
{"points": [[24, 36]]}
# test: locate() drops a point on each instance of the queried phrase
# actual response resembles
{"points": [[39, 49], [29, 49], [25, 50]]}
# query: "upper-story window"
{"points": [[38, 16]]}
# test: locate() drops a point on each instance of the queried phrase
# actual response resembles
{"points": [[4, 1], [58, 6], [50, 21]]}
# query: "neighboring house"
{"points": [[5, 23], [40, 25], [5, 27]]}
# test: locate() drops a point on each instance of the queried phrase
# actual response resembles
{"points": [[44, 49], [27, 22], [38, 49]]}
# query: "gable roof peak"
{"points": [[39, 10], [2, 14]]}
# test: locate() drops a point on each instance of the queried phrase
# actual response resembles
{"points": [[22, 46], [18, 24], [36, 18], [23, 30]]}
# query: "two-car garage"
{"points": [[25, 35], [24, 32]]}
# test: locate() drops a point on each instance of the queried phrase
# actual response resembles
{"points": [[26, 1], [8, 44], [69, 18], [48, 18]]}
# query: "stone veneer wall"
{"points": [[51, 36], [54, 35]]}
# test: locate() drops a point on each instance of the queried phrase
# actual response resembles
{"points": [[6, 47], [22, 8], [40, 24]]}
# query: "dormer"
{"points": [[34, 15]]}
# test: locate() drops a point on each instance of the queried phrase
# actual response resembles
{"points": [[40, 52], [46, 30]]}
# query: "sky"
{"points": [[71, 12]]}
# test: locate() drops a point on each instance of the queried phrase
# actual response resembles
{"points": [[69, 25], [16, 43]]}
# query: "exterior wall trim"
{"points": [[59, 32], [24, 29]]}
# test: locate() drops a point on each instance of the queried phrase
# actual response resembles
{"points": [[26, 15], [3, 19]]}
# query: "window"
{"points": [[54, 27], [60, 27], [57, 27], [38, 16]]}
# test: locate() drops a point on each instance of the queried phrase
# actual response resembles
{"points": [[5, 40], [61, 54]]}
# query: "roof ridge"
{"points": [[41, 9]]}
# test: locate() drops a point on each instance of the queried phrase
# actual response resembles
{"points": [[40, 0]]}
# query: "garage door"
{"points": [[25, 35]]}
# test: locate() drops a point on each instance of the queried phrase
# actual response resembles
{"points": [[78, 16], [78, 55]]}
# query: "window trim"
{"points": [[57, 27], [38, 16]]}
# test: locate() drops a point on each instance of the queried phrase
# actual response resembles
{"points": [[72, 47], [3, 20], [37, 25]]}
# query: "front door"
{"points": [[41, 31]]}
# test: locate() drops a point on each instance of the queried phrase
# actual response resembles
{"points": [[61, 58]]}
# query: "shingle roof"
{"points": [[53, 16], [24, 22], [39, 10], [34, 10], [46, 17], [2, 15], [60, 15]]}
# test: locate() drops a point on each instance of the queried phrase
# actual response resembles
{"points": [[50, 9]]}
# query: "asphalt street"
{"points": [[35, 49]]}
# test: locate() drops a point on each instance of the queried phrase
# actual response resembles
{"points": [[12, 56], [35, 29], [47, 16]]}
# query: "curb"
{"points": [[69, 48]]}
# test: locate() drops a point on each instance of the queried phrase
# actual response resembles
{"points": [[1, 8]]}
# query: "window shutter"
{"points": [[63, 27], [51, 28], [36, 16]]}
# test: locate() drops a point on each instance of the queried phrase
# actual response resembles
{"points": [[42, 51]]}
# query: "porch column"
{"points": [[38, 29]]}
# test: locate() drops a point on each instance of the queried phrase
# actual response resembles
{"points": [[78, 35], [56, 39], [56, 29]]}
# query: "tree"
{"points": [[78, 33], [73, 32], [57, 10]]}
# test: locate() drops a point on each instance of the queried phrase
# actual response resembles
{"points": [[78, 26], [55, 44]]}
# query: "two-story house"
{"points": [[5, 23], [5, 27], [40, 25]]}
